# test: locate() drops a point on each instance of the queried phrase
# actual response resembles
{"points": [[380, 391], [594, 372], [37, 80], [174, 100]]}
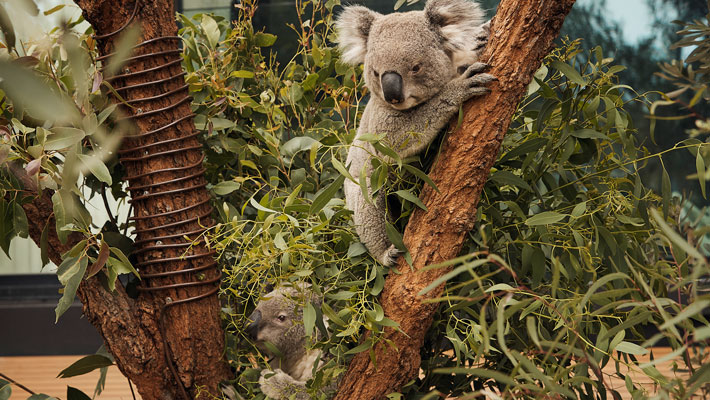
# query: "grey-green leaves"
{"points": [[25, 88], [545, 218], [323, 197], [569, 71], [70, 274]]}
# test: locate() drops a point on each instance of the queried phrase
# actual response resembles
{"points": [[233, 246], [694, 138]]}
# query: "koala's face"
{"points": [[405, 64], [408, 57], [278, 319]]}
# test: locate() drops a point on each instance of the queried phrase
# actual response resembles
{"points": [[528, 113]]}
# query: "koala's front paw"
{"points": [[475, 76], [389, 257], [279, 385], [471, 82]]}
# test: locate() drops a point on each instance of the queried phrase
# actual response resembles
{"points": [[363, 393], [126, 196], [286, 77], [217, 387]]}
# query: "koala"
{"points": [[278, 319], [419, 66]]}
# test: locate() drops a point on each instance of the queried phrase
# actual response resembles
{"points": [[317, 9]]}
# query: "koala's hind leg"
{"points": [[369, 219]]}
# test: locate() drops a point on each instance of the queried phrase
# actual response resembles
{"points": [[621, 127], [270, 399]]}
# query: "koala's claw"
{"points": [[482, 79], [475, 68], [389, 257]]}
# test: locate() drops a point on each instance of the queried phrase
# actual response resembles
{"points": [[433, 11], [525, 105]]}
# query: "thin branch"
{"points": [[16, 383], [106, 205]]}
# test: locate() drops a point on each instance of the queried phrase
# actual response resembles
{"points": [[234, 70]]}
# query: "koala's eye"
{"points": [[416, 68], [377, 74], [281, 318]]}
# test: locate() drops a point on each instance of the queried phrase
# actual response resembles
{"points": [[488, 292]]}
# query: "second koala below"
{"points": [[419, 67], [278, 319]]}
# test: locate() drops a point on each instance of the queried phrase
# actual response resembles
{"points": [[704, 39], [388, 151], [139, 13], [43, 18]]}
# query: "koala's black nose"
{"points": [[392, 87], [253, 328]]}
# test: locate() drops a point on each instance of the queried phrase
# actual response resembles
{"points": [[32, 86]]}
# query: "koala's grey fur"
{"points": [[278, 319], [434, 53]]}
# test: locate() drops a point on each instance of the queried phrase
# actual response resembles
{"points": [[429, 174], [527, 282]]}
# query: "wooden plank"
{"points": [[39, 374], [671, 369]]}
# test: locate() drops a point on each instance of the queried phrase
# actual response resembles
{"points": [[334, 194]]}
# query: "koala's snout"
{"points": [[253, 328], [392, 87]]}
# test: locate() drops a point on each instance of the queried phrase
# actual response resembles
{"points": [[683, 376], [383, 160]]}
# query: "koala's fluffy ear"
{"points": [[457, 21], [353, 26]]}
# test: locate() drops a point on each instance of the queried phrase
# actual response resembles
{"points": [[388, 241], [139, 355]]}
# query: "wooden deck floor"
{"points": [[673, 368], [40, 375]]}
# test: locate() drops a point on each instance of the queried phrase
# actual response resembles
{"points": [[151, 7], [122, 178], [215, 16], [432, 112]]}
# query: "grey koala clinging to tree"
{"points": [[278, 319], [419, 66]]}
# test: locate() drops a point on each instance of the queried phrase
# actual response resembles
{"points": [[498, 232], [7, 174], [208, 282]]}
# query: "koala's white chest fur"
{"points": [[301, 369]]}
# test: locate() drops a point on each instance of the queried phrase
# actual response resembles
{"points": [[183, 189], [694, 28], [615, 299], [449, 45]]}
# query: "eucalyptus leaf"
{"points": [[545, 218], [264, 39], [85, 365], [97, 168], [226, 187], [63, 137], [700, 167], [309, 318], [28, 89], [410, 197], [70, 273], [209, 25], [76, 394], [326, 195], [630, 348], [569, 72], [20, 221]]}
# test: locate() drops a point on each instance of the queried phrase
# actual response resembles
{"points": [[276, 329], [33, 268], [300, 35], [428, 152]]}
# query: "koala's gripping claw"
{"points": [[482, 79], [475, 68], [469, 84], [389, 257]]}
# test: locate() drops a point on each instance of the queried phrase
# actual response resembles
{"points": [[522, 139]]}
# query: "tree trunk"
{"points": [[155, 337], [522, 33]]}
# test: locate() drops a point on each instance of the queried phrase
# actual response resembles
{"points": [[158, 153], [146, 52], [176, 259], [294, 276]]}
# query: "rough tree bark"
{"points": [[522, 34], [130, 327]]}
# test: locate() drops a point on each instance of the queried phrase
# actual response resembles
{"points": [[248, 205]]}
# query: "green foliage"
{"points": [[692, 79], [58, 132]]}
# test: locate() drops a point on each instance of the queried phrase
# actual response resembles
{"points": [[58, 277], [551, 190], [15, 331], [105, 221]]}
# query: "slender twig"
{"points": [[125, 229], [18, 384], [106, 206], [131, 386]]}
